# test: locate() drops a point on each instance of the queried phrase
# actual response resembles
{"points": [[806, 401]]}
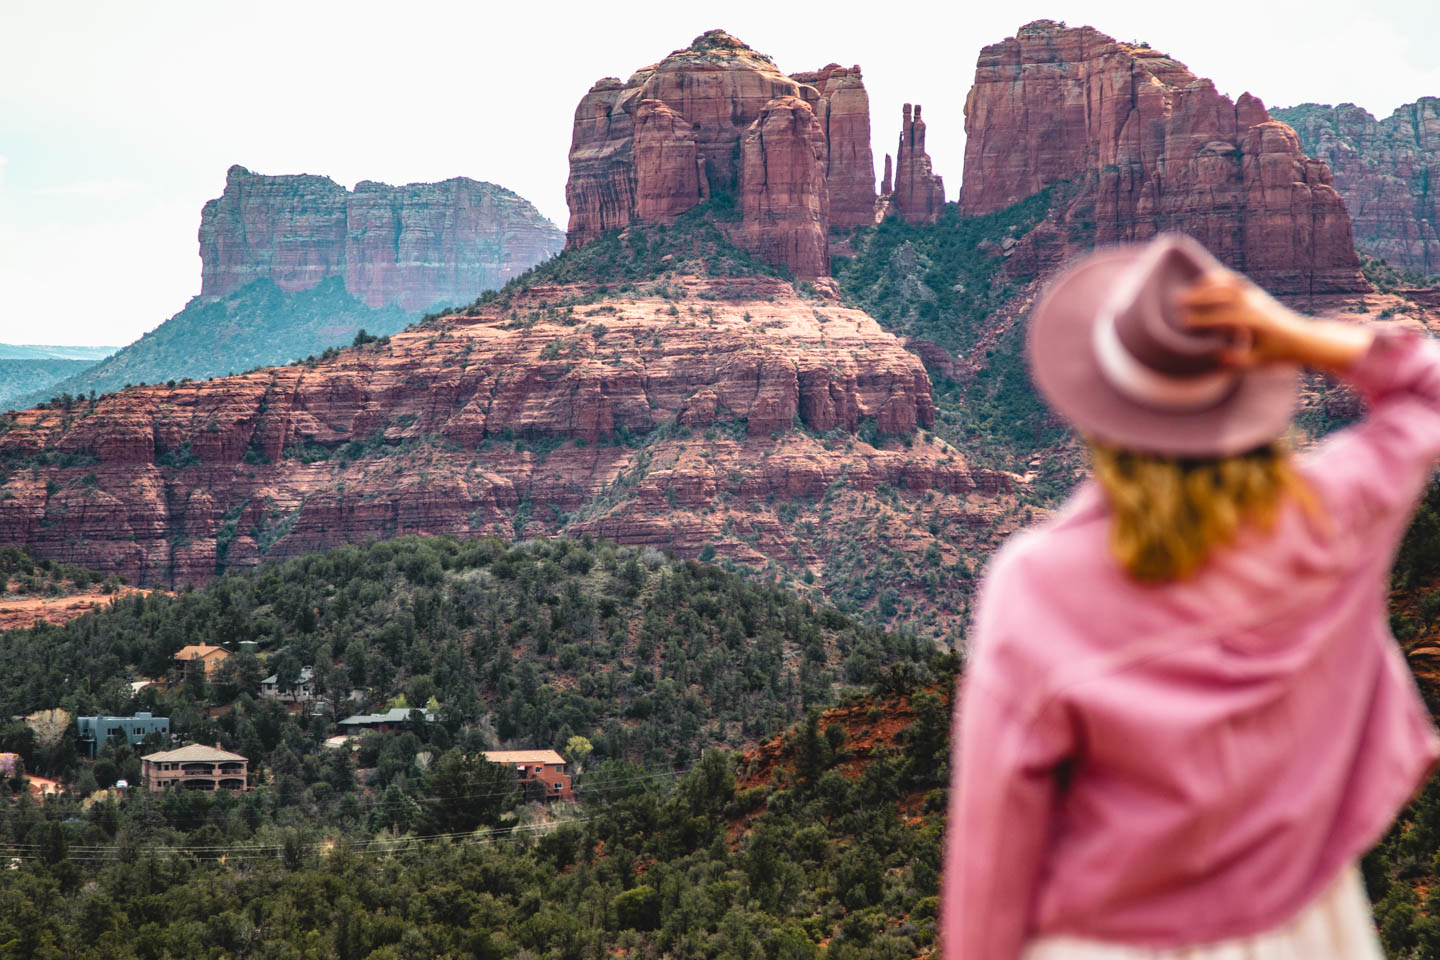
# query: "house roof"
{"points": [[393, 715], [43, 786], [523, 756], [194, 752], [306, 675], [199, 651]]}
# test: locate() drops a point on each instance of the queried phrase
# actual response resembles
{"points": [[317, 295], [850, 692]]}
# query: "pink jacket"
{"points": [[1172, 765]]}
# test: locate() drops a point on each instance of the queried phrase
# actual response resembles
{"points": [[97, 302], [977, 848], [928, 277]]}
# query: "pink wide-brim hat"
{"points": [[1110, 353]]}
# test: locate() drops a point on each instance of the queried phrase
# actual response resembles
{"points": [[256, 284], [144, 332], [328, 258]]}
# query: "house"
{"points": [[201, 656], [94, 731], [303, 691], [195, 767], [388, 722], [542, 774]]}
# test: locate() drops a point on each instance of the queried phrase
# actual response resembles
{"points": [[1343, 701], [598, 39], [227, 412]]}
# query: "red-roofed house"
{"points": [[542, 774]]}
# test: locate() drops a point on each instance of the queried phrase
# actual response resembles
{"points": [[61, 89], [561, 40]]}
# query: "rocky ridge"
{"points": [[718, 118], [734, 418], [1145, 145], [413, 246], [1388, 172]]}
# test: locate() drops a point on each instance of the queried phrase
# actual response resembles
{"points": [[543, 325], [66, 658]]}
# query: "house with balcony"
{"points": [[202, 657], [94, 731], [541, 774], [195, 767]]}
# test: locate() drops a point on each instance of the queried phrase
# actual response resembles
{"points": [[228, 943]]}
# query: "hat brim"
{"points": [[1065, 371]]}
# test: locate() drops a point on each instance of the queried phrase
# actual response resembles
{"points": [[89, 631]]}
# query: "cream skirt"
{"points": [[1337, 925]]}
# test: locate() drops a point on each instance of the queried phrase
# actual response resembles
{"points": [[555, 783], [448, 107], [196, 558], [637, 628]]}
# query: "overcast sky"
{"points": [[118, 120]]}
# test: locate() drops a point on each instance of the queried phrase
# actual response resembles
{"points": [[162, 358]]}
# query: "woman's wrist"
{"points": [[1330, 345]]}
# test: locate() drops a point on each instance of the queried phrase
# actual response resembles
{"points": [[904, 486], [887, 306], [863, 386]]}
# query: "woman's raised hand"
{"points": [[1267, 331]]}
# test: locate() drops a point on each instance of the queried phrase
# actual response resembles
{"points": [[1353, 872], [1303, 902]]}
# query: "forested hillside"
{"points": [[652, 659], [412, 846], [828, 845]]}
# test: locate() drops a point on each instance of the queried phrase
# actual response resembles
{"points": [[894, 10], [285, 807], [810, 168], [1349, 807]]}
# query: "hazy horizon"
{"points": [[120, 122]]}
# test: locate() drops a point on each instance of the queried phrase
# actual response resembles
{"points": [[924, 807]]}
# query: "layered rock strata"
{"points": [[919, 193], [632, 141], [682, 423], [1388, 172], [412, 246], [1147, 146]]}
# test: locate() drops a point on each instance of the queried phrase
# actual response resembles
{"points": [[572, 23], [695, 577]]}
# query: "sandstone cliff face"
{"points": [[919, 193], [631, 143], [1388, 171], [680, 423], [412, 246], [1149, 147], [843, 108], [783, 194], [669, 169]]}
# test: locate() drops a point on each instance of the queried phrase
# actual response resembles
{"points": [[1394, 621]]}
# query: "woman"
{"points": [[1183, 719]]}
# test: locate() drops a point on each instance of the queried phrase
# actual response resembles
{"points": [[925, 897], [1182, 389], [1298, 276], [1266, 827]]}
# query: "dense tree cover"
{"points": [[651, 659], [952, 283], [694, 867]]}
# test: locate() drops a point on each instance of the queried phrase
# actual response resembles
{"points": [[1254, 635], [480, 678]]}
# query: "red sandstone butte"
{"points": [[632, 140], [919, 193], [783, 194], [414, 246], [1148, 146], [843, 108], [669, 170], [1387, 170], [681, 420]]}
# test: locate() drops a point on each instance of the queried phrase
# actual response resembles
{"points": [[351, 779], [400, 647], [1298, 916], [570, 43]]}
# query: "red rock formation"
{"points": [[601, 188], [415, 246], [783, 197], [1150, 147], [887, 185], [1388, 171], [919, 195], [843, 108], [712, 93], [669, 170], [511, 423]]}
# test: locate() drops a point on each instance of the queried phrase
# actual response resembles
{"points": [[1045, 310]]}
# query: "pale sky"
{"points": [[118, 120]]}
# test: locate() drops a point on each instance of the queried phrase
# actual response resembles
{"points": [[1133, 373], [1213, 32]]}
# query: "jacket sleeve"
{"points": [[1375, 470], [1002, 795]]}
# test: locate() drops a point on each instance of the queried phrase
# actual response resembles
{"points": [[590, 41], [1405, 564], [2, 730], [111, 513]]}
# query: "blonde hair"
{"points": [[1168, 515]]}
